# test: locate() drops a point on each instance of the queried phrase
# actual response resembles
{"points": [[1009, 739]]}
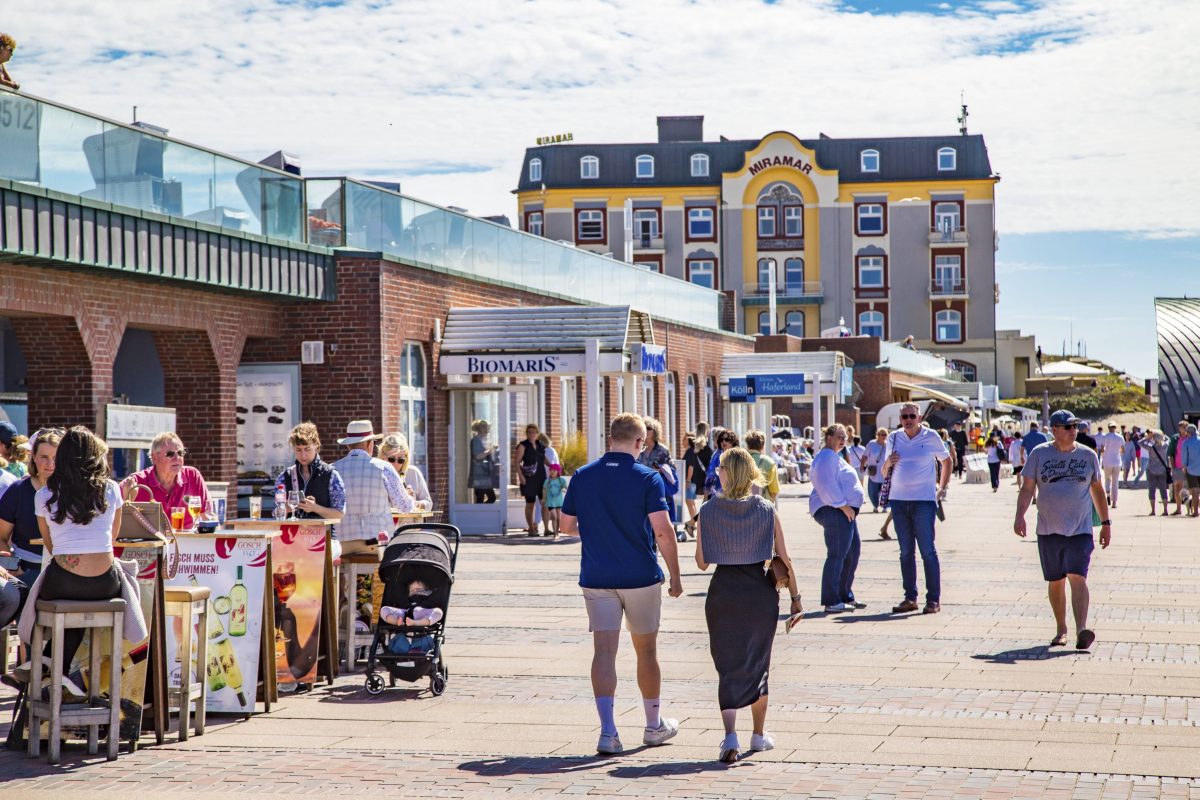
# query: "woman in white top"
{"points": [[993, 447], [78, 509], [1016, 457], [394, 450], [836, 497]]}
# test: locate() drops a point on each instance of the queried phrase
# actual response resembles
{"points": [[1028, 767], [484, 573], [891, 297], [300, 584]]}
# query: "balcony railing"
{"points": [[949, 236], [781, 243], [949, 287], [792, 290], [648, 242]]}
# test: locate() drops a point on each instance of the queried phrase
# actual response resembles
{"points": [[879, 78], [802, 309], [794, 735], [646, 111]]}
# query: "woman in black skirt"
{"points": [[739, 531]]}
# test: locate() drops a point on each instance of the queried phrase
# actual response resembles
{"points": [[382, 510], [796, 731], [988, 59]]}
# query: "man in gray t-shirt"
{"points": [[1069, 485]]}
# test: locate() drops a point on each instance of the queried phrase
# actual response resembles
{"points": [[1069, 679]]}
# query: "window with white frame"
{"points": [[589, 168], [645, 224], [964, 368], [868, 160], [766, 266], [699, 165], [793, 276], [870, 323], [690, 400], [766, 222], [946, 217], [672, 415], [947, 326], [413, 404], [700, 223], [870, 218], [647, 408], [765, 326], [591, 225], [794, 323], [870, 272], [644, 167], [533, 223], [535, 169], [569, 406], [793, 221], [703, 272], [947, 273], [947, 159], [710, 395]]}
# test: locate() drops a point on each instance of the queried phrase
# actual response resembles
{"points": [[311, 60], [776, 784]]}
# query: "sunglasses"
{"points": [[181, 452], [909, 416], [397, 459]]}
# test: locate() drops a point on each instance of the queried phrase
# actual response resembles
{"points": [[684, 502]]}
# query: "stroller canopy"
{"points": [[417, 547]]}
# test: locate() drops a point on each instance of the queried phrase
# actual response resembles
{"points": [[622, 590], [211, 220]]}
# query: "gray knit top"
{"points": [[737, 531]]}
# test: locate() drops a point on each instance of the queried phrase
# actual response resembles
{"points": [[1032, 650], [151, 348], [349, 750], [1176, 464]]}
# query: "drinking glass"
{"points": [[194, 505], [295, 498], [177, 515], [255, 507]]}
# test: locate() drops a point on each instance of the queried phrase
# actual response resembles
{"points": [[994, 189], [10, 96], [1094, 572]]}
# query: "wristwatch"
{"points": [[796, 599], [1106, 522]]}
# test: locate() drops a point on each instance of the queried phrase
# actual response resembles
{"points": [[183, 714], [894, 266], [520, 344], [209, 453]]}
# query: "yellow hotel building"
{"points": [[891, 237]]}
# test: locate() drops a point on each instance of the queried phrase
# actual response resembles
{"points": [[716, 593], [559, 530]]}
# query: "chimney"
{"points": [[680, 129]]}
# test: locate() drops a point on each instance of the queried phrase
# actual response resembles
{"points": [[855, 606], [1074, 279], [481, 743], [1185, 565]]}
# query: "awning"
{"points": [[548, 329], [920, 392], [824, 364]]}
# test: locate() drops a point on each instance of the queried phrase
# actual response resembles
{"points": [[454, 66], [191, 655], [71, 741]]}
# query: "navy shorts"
{"points": [[1065, 555]]}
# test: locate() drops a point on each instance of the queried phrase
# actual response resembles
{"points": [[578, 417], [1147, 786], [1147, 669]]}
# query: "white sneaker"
{"points": [[729, 749], [609, 745], [838, 608], [760, 743], [665, 730]]}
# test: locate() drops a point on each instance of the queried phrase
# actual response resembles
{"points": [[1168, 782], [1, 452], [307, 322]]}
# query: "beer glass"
{"points": [[255, 507]]}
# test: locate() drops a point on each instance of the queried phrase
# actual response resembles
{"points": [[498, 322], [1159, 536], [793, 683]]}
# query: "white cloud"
{"points": [[1092, 128]]}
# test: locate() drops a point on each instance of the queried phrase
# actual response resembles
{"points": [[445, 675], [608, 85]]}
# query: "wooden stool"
{"points": [[56, 616], [190, 603], [352, 567]]}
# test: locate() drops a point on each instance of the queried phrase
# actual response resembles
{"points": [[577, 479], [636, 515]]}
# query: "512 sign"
{"points": [[20, 121]]}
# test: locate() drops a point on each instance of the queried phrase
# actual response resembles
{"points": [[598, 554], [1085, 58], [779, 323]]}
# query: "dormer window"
{"points": [[535, 169], [699, 165], [947, 159], [589, 168], [869, 160], [644, 167]]}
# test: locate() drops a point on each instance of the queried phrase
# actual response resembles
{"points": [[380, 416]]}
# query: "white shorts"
{"points": [[642, 609]]}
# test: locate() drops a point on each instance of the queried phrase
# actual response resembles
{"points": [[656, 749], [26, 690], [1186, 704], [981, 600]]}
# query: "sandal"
{"points": [[1085, 639], [1059, 640]]}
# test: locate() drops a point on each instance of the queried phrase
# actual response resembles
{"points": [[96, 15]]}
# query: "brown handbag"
{"points": [[781, 575]]}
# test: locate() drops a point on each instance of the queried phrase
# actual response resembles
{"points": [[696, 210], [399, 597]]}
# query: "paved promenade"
{"points": [[969, 703]]}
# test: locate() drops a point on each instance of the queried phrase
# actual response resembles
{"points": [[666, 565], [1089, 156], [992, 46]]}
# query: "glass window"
{"points": [[869, 160], [793, 275], [947, 159], [702, 272], [964, 368], [645, 167], [533, 223], [700, 223], [690, 400], [650, 265], [946, 218], [648, 396], [568, 398], [870, 272], [766, 266], [591, 225], [793, 221], [413, 404], [766, 222], [948, 326], [794, 323], [709, 401], [764, 323], [672, 415], [645, 224], [947, 273], [870, 323], [535, 169], [589, 167], [699, 165], [870, 218]]}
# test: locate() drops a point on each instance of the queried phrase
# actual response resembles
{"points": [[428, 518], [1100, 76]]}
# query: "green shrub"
{"points": [[573, 453], [1111, 397]]}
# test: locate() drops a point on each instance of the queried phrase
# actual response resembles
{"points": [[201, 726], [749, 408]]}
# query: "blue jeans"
{"points": [[842, 547], [914, 529], [420, 644], [873, 490]]}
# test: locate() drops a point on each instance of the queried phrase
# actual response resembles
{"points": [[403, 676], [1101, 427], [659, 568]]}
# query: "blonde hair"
{"points": [[393, 443], [7, 41], [740, 473], [166, 437], [304, 434], [626, 428], [543, 440]]}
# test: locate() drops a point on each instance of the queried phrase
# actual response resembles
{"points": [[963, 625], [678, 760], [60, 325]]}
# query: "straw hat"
{"points": [[359, 431]]}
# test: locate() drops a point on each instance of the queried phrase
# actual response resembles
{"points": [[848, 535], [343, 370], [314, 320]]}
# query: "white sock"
{"points": [[608, 723], [652, 718]]}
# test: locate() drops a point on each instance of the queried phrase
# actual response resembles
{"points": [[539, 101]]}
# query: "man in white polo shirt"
{"points": [[918, 464], [1111, 445]]}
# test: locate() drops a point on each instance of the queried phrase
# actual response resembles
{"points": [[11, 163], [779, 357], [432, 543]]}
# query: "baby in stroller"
{"points": [[415, 616]]}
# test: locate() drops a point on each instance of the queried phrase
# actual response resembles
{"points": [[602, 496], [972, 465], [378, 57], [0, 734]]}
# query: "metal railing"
{"points": [[648, 242], [954, 235], [949, 287], [792, 289]]}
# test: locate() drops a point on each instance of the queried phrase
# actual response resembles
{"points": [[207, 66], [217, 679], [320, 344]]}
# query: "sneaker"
{"points": [[838, 608], [22, 673], [760, 743], [855, 604], [609, 745], [729, 749], [665, 730]]}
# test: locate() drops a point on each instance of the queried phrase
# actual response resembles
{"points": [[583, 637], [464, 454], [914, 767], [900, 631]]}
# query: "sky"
{"points": [[1090, 108]]}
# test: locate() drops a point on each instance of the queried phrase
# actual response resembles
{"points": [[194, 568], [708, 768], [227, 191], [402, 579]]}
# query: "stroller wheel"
{"points": [[374, 683], [437, 684]]}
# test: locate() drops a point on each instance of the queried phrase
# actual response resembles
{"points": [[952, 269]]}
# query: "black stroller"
{"points": [[416, 552]]}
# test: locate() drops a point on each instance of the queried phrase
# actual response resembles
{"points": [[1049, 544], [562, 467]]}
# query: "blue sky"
{"points": [[1090, 109]]}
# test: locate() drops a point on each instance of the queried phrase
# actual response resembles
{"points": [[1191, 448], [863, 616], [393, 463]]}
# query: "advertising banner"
{"points": [[266, 413], [298, 557], [234, 569]]}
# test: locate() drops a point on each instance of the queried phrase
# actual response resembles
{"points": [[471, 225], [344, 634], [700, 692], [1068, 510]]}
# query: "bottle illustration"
{"points": [[214, 672], [240, 598], [215, 629], [233, 674]]}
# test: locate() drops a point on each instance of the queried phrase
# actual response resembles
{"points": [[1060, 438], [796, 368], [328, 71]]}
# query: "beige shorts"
{"points": [[642, 608]]}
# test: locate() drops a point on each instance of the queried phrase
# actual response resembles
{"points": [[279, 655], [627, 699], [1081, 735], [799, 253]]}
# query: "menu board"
{"points": [[267, 400], [235, 570]]}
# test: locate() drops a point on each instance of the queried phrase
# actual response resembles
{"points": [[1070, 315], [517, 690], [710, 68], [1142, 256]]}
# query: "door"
{"points": [[479, 459], [522, 407]]}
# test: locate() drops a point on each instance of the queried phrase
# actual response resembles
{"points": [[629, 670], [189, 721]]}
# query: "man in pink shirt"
{"points": [[167, 480]]}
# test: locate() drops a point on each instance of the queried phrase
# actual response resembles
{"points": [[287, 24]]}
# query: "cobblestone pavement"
{"points": [[969, 703]]}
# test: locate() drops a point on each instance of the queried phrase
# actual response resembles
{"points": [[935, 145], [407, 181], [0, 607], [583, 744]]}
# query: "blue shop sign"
{"points": [[652, 359], [786, 385], [740, 391]]}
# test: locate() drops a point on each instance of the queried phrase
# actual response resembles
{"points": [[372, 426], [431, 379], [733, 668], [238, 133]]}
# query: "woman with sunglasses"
{"points": [[393, 449], [321, 485], [18, 518]]}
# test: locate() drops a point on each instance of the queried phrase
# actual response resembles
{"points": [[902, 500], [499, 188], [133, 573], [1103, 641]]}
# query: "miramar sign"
{"points": [[780, 161]]}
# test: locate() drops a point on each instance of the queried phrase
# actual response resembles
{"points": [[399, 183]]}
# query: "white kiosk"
{"points": [[496, 361], [749, 382]]}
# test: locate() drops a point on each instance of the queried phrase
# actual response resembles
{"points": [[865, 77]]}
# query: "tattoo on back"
{"points": [[67, 562]]}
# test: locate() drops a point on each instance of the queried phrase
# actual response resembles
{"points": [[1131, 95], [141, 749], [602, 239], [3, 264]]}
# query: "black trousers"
{"points": [[59, 584]]}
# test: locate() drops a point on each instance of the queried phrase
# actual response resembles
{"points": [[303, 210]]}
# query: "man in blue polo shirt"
{"points": [[619, 509], [1032, 440]]}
